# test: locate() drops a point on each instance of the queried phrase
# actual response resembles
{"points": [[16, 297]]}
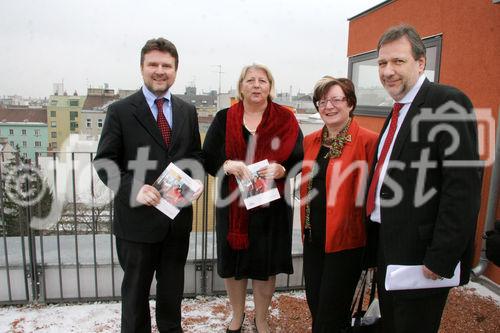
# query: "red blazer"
{"points": [[346, 182]]}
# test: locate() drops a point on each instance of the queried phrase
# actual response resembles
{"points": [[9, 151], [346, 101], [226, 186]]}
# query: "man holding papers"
{"points": [[141, 136], [424, 190]]}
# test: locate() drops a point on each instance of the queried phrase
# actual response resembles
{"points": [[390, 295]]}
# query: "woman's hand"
{"points": [[273, 171], [238, 169]]}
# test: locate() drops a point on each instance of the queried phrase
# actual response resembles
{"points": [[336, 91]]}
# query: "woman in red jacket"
{"points": [[334, 172]]}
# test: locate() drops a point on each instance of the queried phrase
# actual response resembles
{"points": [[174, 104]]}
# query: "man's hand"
{"points": [[148, 195], [430, 274], [197, 194]]}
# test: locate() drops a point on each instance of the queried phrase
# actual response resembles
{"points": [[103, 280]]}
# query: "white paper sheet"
{"points": [[408, 277]]}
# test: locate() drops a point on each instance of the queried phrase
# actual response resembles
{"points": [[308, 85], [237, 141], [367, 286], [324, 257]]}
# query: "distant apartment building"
{"points": [[24, 129], [205, 104], [7, 152], [94, 111], [63, 114], [16, 100], [301, 103]]}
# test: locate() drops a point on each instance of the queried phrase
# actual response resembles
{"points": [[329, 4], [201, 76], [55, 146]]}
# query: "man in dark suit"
{"points": [[141, 135], [424, 192]]}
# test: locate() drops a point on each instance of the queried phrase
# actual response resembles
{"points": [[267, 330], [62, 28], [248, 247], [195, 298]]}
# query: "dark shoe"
{"points": [[239, 329]]}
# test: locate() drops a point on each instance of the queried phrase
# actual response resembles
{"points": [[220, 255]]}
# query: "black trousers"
{"points": [[330, 281], [139, 262], [409, 312]]}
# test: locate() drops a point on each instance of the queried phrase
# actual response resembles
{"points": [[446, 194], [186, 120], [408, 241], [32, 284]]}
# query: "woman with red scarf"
{"points": [[252, 244], [334, 172]]}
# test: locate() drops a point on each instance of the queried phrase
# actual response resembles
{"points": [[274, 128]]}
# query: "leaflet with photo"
{"points": [[258, 191], [177, 190]]}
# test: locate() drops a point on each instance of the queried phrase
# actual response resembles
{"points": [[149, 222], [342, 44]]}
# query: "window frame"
{"points": [[383, 111]]}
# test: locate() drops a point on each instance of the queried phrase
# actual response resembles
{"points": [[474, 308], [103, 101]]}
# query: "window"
{"points": [[53, 124], [89, 123], [73, 102], [53, 145], [53, 113], [73, 115], [53, 135], [25, 144], [372, 99], [99, 123], [37, 132], [25, 155], [53, 102], [23, 132], [38, 143], [12, 143], [11, 131]]}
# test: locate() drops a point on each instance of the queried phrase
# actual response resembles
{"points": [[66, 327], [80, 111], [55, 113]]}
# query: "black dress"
{"points": [[269, 229]]}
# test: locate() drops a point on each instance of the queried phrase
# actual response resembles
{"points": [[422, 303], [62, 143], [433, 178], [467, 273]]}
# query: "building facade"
{"points": [[94, 111], [63, 114], [24, 129]]}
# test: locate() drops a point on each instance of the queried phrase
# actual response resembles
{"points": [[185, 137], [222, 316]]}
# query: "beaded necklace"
{"points": [[336, 146]]}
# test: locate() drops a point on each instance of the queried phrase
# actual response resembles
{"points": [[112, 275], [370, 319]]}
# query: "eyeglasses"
{"points": [[335, 101]]}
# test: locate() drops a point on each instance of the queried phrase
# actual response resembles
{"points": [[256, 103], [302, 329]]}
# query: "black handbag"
{"points": [[366, 320]]}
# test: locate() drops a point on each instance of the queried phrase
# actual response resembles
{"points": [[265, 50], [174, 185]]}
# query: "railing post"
{"points": [[34, 271], [204, 242]]}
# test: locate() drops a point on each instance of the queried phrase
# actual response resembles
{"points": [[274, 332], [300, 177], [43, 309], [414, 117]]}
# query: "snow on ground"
{"points": [[201, 314]]}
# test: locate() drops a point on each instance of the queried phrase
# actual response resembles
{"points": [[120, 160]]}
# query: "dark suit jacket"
{"points": [[130, 125], [437, 232]]}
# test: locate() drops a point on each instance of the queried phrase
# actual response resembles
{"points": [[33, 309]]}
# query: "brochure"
{"points": [[177, 190], [258, 191]]}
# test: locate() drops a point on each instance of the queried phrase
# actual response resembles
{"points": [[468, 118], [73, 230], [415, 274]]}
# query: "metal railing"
{"points": [[61, 248]]}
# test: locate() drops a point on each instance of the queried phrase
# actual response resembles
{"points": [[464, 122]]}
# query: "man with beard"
{"points": [[424, 192]]}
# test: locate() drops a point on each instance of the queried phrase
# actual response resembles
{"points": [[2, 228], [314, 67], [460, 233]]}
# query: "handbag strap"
{"points": [[373, 286], [357, 304]]}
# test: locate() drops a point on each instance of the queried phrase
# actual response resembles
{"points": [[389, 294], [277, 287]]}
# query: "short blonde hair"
{"points": [[244, 71]]}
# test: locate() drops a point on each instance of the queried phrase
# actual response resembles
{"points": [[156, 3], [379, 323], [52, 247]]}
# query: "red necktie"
{"points": [[166, 131], [370, 200]]}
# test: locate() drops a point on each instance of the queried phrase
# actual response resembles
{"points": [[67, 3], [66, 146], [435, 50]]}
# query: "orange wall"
{"points": [[469, 57], [374, 124]]}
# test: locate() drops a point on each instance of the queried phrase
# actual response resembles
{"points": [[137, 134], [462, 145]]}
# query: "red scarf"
{"points": [[278, 124]]}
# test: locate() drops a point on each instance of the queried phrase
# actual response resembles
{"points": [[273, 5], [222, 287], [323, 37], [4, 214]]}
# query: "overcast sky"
{"points": [[92, 42]]}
